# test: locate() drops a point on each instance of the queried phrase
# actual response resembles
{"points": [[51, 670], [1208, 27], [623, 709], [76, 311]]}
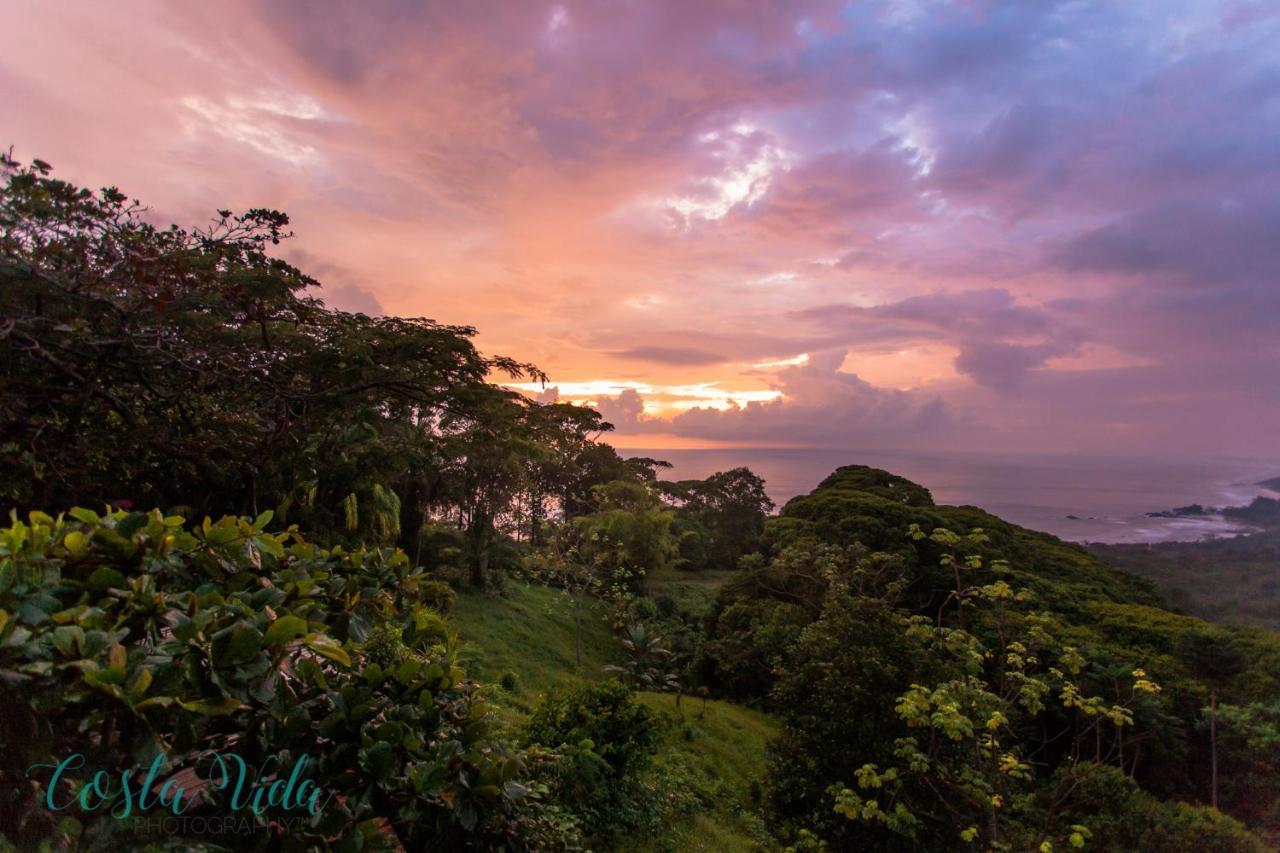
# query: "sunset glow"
{"points": [[816, 224]]}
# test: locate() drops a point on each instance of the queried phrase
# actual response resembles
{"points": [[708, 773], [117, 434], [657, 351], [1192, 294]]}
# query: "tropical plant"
{"points": [[130, 637], [648, 666]]}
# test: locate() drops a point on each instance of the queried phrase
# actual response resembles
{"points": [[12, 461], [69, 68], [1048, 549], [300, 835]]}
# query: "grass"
{"points": [[529, 630], [687, 594], [723, 746], [718, 750]]}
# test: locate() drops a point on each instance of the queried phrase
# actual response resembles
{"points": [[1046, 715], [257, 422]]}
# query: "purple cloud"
{"points": [[669, 355]]}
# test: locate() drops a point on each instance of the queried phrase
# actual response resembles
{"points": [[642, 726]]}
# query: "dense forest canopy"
{"points": [[242, 520]]}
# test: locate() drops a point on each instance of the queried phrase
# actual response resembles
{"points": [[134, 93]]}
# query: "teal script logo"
{"points": [[129, 792]]}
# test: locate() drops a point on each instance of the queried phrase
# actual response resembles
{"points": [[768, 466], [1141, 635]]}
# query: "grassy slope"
{"points": [[530, 631]]}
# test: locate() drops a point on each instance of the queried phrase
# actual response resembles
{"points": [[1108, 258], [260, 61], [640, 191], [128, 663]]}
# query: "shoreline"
{"points": [[1109, 497]]}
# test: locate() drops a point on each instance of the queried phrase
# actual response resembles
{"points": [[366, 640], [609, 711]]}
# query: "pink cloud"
{"points": [[673, 193]]}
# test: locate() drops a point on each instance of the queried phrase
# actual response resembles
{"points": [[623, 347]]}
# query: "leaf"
{"points": [[260, 523], [69, 639], [330, 650], [241, 645], [106, 679], [140, 684], [269, 545], [285, 629], [87, 516], [107, 578], [76, 543], [213, 707], [32, 614], [17, 637], [131, 524]]}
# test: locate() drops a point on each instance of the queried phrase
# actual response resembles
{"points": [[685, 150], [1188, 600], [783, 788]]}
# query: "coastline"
{"points": [[1077, 498]]}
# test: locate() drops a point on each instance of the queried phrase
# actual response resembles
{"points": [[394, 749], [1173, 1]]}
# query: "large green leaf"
{"points": [[285, 629]]}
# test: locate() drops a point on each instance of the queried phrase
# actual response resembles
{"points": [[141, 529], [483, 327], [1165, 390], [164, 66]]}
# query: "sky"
{"points": [[1029, 226]]}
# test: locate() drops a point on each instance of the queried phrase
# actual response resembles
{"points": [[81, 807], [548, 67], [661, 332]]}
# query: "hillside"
{"points": [[874, 591], [712, 754], [521, 643], [1231, 580]]}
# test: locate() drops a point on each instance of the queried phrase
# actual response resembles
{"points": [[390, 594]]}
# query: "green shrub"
{"points": [[129, 636], [606, 740], [643, 609], [1124, 817], [439, 596]]}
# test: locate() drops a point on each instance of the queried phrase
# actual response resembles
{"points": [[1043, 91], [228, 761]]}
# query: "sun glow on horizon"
{"points": [[655, 400]]}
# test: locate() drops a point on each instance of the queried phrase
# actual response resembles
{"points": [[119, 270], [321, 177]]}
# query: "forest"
{"points": [[241, 522], [1222, 579]]}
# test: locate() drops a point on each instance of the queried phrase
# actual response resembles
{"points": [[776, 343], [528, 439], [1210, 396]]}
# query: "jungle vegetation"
{"points": [[243, 521]]}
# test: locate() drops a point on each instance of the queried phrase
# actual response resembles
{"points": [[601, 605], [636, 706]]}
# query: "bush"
{"points": [[439, 596], [127, 637], [1124, 817], [606, 741], [643, 609]]}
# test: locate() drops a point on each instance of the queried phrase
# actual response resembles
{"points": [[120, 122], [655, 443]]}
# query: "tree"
{"points": [[724, 516], [964, 764], [628, 536], [486, 457], [191, 368], [562, 474], [606, 740], [1216, 657]]}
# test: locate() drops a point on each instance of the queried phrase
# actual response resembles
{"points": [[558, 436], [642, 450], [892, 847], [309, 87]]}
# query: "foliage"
{"points": [[1121, 817], [756, 621], [605, 740], [1230, 579], [942, 685], [128, 635], [142, 366], [648, 664], [1250, 743], [837, 694], [720, 518], [628, 537], [438, 595]]}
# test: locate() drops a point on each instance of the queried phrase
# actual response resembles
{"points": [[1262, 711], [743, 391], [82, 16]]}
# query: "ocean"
{"points": [[1108, 497]]}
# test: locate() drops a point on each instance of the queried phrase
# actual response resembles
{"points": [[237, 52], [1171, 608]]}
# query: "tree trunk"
{"points": [[577, 630], [411, 519], [536, 513], [1213, 748], [479, 533]]}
